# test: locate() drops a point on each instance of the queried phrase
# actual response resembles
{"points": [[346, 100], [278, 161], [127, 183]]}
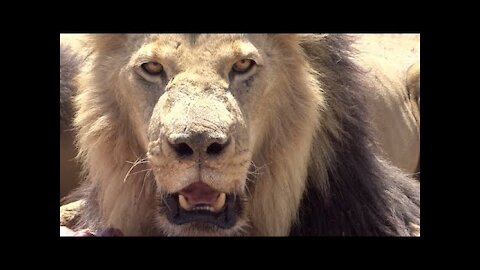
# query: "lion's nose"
{"points": [[198, 143]]}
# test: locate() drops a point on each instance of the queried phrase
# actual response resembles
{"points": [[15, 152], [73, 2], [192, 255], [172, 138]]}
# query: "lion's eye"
{"points": [[243, 65], [153, 68]]}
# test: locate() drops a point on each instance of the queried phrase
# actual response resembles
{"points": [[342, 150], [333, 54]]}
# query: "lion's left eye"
{"points": [[153, 68], [243, 65]]}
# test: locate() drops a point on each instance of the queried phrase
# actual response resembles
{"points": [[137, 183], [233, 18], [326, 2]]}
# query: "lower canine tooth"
{"points": [[217, 206], [184, 203]]}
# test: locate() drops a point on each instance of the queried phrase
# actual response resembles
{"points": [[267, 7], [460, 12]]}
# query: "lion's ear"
{"points": [[285, 38], [102, 42], [307, 38], [299, 38]]}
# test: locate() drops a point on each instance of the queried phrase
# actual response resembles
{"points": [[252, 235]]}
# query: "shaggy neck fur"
{"points": [[108, 146], [279, 187], [359, 194]]}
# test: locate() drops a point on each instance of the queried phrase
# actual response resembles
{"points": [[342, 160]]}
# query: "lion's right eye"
{"points": [[153, 68], [243, 65]]}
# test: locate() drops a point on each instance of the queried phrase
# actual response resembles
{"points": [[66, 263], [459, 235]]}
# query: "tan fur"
{"points": [[113, 133], [393, 110], [279, 189], [413, 87], [69, 168]]}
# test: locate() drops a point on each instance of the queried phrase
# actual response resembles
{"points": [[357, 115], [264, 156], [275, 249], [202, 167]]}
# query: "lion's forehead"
{"points": [[198, 48], [198, 40]]}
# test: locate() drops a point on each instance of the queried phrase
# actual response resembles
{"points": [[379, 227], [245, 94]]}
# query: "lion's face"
{"points": [[196, 105], [230, 134]]}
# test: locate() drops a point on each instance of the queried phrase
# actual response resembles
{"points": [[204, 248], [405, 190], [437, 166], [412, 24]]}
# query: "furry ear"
{"points": [[285, 38], [102, 42], [312, 39], [298, 38], [286, 44]]}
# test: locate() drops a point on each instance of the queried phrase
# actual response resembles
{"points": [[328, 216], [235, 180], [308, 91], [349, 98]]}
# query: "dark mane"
{"points": [[366, 195], [69, 65]]}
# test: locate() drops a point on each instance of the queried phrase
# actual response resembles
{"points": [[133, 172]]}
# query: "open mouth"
{"points": [[200, 203]]}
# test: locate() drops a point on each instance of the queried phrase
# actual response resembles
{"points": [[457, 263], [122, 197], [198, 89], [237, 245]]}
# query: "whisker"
{"points": [[142, 161], [141, 171], [163, 197], [247, 189], [137, 162], [257, 170], [249, 179], [143, 184], [128, 172]]}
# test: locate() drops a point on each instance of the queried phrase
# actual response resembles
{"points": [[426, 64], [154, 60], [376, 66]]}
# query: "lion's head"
{"points": [[180, 134]]}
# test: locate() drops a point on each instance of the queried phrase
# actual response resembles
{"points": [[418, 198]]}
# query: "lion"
{"points": [[233, 135], [393, 109]]}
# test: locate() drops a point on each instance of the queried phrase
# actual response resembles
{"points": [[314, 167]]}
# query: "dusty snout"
{"points": [[197, 164], [199, 144]]}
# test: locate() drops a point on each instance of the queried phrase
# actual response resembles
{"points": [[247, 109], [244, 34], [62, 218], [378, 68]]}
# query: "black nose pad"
{"points": [[198, 143], [182, 149], [215, 148]]}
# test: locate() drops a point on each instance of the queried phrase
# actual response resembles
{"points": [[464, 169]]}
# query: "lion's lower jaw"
{"points": [[241, 228]]}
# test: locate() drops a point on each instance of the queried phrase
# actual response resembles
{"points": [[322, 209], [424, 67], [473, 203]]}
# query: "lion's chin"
{"points": [[200, 229], [174, 220], [224, 218]]}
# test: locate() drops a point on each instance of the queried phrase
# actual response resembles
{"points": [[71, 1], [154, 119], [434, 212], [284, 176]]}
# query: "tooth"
{"points": [[203, 207], [217, 206], [184, 203]]}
